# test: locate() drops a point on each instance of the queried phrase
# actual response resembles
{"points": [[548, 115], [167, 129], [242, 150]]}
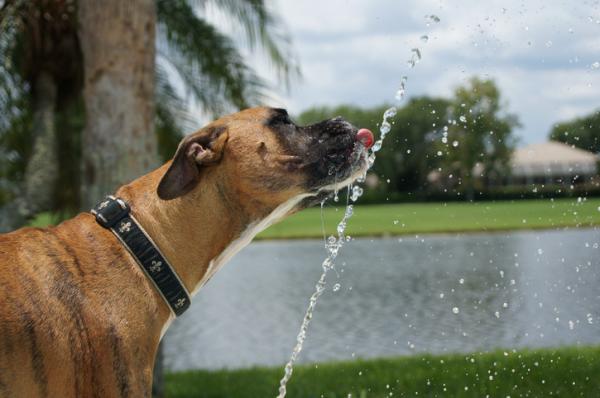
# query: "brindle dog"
{"points": [[79, 318]]}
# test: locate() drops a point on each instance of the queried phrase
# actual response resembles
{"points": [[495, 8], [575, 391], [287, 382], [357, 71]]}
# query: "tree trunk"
{"points": [[41, 172], [118, 143], [118, 43]]}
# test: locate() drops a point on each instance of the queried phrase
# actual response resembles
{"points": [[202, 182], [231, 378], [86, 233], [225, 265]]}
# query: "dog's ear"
{"points": [[197, 150]]}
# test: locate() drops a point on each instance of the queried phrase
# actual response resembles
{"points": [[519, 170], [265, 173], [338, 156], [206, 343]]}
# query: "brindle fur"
{"points": [[78, 318]]}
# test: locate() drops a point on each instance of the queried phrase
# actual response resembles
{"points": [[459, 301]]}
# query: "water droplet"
{"points": [[461, 281], [377, 145], [596, 65], [416, 53], [356, 193], [497, 314], [549, 43], [454, 144], [400, 94], [424, 38], [348, 214], [462, 118], [571, 325], [370, 161], [336, 287], [590, 320], [455, 310], [390, 112], [540, 251], [433, 18]]}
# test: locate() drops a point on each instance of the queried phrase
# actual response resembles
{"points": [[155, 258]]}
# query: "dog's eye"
{"points": [[281, 118], [286, 120]]}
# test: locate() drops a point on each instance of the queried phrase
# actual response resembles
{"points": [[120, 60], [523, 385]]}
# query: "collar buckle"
{"points": [[110, 211]]}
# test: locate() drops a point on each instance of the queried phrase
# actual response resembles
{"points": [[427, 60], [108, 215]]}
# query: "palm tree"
{"points": [[195, 63], [37, 43]]}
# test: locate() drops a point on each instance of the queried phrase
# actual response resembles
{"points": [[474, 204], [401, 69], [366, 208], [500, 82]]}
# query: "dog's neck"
{"points": [[191, 230], [201, 230]]}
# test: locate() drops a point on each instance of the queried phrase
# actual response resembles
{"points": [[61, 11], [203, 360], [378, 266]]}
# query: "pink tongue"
{"points": [[366, 137]]}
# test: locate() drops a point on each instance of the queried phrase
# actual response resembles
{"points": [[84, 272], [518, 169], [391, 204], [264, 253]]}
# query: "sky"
{"points": [[544, 55]]}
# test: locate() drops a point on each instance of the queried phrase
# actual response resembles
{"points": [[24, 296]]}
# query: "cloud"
{"points": [[539, 52]]}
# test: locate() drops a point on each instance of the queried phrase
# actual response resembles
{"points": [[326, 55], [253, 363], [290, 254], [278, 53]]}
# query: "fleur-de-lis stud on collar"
{"points": [[156, 266], [125, 227], [180, 303]]}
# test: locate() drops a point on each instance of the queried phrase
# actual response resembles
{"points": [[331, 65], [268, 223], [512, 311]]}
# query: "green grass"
{"points": [[46, 219], [419, 218], [564, 372], [415, 218]]}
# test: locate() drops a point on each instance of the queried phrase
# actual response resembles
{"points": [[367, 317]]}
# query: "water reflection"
{"points": [[525, 289]]}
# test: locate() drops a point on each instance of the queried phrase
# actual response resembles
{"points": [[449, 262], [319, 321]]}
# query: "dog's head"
{"points": [[261, 154]]}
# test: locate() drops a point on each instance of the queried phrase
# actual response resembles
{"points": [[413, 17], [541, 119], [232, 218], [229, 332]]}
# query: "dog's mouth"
{"points": [[337, 154]]}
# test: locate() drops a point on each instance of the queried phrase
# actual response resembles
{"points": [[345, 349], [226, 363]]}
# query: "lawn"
{"points": [[415, 218], [564, 372]]}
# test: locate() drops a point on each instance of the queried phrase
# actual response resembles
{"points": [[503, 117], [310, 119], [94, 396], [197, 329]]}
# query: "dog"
{"points": [[79, 316]]}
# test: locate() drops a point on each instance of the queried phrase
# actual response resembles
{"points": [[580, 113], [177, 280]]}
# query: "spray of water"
{"points": [[334, 244]]}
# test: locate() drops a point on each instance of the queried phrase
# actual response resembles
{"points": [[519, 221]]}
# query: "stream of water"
{"points": [[334, 244]]}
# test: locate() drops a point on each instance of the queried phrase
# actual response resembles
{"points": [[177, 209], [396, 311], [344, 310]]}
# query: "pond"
{"points": [[396, 296]]}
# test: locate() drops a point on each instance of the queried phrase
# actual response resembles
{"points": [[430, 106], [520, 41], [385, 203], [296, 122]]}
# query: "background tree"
{"points": [[480, 132], [582, 132], [38, 40]]}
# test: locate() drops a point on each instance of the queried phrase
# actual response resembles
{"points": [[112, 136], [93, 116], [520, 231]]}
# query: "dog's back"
{"points": [[58, 335]]}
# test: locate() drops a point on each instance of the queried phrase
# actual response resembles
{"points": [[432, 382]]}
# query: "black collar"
{"points": [[114, 214]]}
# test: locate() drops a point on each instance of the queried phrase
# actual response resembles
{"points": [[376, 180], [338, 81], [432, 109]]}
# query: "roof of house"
{"points": [[553, 158]]}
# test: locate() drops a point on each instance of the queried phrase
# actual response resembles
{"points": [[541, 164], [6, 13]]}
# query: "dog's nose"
{"points": [[365, 136]]}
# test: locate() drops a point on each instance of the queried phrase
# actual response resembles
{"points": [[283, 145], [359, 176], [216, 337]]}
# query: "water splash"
{"points": [[333, 247], [402, 89], [333, 244], [415, 58], [431, 19]]}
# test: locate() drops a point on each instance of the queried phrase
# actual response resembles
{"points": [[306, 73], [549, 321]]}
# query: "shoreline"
{"points": [[441, 232]]}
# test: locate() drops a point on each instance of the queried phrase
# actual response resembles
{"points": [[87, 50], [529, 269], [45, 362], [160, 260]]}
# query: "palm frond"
{"points": [[172, 118], [210, 66], [264, 29]]}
